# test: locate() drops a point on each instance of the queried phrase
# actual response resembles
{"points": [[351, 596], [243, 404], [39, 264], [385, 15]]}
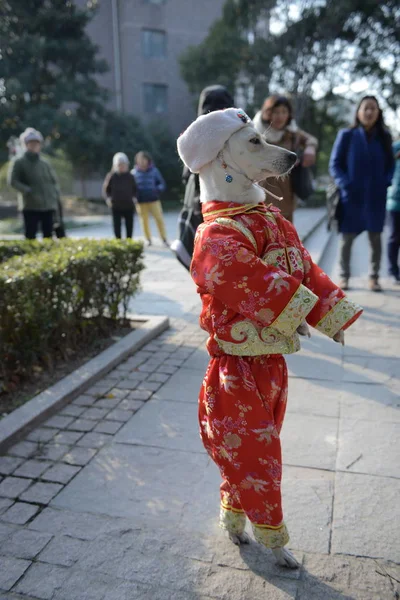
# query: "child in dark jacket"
{"points": [[150, 185], [119, 191]]}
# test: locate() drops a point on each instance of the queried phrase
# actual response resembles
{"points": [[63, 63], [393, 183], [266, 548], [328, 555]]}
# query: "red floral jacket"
{"points": [[258, 283]]}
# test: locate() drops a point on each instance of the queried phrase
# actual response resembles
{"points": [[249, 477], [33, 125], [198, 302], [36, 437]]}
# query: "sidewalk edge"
{"points": [[44, 405]]}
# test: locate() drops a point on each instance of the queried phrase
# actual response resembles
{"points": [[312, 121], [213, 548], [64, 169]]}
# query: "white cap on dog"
{"points": [[206, 136]]}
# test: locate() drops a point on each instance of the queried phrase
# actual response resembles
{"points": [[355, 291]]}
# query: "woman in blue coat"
{"points": [[362, 167]]}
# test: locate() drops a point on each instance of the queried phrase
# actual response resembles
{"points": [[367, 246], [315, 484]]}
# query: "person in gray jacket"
{"points": [[39, 194]]}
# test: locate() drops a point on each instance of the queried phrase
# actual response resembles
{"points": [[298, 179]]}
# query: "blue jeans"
{"points": [[393, 217]]}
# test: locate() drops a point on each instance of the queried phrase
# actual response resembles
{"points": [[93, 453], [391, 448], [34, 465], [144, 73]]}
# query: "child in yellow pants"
{"points": [[150, 184]]}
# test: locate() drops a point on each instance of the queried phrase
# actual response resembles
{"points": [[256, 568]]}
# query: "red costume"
{"points": [[257, 284]]}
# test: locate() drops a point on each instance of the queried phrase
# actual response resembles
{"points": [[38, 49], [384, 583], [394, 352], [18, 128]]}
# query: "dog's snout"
{"points": [[292, 158]]}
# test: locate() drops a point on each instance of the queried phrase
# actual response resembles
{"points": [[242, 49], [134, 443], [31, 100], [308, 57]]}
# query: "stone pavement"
{"points": [[114, 498]]}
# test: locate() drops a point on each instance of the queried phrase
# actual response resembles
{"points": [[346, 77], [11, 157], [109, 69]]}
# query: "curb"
{"points": [[314, 228], [45, 404]]}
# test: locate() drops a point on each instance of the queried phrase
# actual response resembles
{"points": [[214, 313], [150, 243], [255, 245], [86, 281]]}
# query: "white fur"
{"points": [[247, 162]]}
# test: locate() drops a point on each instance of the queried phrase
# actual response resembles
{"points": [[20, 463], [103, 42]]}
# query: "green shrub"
{"points": [[56, 295]]}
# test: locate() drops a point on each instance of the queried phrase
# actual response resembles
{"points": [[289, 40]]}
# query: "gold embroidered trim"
{"points": [[337, 317], [228, 507], [271, 537], [239, 227], [301, 303], [253, 341], [232, 521]]}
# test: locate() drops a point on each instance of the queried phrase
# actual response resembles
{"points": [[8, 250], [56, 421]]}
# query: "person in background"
{"points": [[393, 215], [37, 184], [150, 185], [119, 191], [362, 164], [213, 97], [276, 123]]}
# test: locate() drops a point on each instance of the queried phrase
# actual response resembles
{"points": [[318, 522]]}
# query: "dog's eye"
{"points": [[255, 141]]}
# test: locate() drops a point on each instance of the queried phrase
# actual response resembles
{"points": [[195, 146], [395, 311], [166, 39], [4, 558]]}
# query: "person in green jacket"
{"points": [[37, 184]]}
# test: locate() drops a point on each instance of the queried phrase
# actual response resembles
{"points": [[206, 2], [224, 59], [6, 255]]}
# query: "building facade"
{"points": [[142, 41]]}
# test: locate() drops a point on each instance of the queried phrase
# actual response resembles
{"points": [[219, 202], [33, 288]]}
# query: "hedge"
{"points": [[56, 295]]}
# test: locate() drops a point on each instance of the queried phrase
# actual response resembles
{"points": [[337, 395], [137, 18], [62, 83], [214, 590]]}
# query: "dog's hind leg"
{"points": [[284, 558], [239, 538]]}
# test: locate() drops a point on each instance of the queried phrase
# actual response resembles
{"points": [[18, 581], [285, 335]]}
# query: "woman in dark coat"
{"points": [[119, 191], [214, 97], [362, 167]]}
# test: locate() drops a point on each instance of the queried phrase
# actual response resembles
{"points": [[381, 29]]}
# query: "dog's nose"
{"points": [[292, 158]]}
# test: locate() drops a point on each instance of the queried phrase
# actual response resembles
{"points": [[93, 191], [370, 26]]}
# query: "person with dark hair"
{"points": [[275, 121], [150, 185], [214, 97], [362, 166], [393, 215]]}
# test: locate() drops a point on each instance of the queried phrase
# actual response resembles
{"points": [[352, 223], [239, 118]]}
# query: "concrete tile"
{"points": [[77, 524], [64, 551], [71, 410], [20, 513], [365, 511], [8, 464], [82, 425], [128, 384], [23, 449], [309, 441], [371, 370], [79, 456], [184, 386], [68, 437], [310, 365], [139, 395], [116, 393], [12, 487], [94, 413], [132, 405], [52, 451], [198, 361], [158, 377], [131, 481], [11, 569], [369, 447], [369, 402], [312, 397], [164, 424], [119, 415], [41, 493], [26, 543], [5, 504], [107, 403], [110, 427], [42, 581], [32, 468], [59, 421], [94, 440], [152, 386], [84, 400], [307, 504], [42, 434], [61, 473]]}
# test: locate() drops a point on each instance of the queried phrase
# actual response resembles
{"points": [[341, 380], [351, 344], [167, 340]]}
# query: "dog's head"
{"points": [[254, 157]]}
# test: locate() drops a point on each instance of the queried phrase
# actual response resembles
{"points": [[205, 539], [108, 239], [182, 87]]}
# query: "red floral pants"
{"points": [[241, 409]]}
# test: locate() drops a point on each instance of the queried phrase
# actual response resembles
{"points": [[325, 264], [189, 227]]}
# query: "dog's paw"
{"points": [[339, 337], [303, 329], [284, 558], [239, 538]]}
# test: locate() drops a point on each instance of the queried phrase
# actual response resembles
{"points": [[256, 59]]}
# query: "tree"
{"points": [[48, 66]]}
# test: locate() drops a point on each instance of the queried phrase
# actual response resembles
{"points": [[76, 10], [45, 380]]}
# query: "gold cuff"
{"points": [[295, 312], [337, 317], [232, 520], [271, 537]]}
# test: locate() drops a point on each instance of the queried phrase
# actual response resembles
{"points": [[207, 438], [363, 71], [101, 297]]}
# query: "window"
{"points": [[155, 98], [154, 43]]}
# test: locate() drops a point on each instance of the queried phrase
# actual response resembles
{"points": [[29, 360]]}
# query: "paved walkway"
{"points": [[115, 499]]}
